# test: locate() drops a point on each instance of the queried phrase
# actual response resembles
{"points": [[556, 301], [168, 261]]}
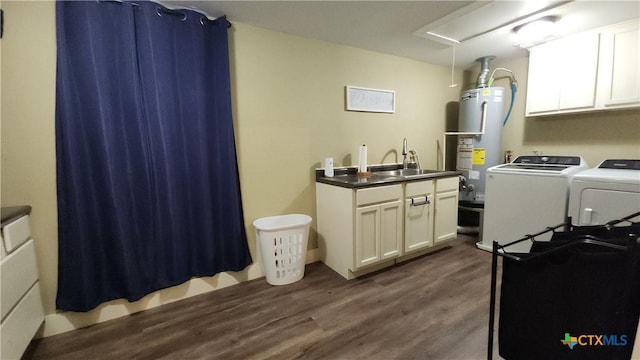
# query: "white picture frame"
{"points": [[370, 100]]}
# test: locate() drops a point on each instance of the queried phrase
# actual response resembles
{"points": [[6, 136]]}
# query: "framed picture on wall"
{"points": [[370, 100]]}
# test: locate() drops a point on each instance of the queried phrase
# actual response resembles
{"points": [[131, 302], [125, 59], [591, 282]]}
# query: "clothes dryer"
{"points": [[605, 193]]}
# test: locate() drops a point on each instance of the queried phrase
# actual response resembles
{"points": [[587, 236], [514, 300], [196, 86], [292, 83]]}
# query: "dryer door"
{"points": [[598, 206]]}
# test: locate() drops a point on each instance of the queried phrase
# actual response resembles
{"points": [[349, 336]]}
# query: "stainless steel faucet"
{"points": [[415, 158], [405, 163]]}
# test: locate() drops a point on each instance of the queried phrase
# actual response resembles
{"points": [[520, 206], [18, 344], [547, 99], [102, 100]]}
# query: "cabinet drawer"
{"points": [[447, 184], [19, 273], [16, 233], [21, 324], [419, 188], [378, 194]]}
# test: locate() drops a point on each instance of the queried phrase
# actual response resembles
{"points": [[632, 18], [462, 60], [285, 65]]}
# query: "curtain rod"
{"points": [[202, 12], [176, 10]]}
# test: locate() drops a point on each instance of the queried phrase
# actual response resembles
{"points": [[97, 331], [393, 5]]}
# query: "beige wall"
{"points": [[289, 113], [595, 136], [28, 144]]}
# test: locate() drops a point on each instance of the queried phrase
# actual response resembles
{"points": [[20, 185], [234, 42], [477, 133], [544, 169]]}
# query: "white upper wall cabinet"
{"points": [[596, 70], [562, 75], [619, 71], [543, 85]]}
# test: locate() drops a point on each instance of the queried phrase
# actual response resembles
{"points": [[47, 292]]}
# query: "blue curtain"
{"points": [[147, 177]]}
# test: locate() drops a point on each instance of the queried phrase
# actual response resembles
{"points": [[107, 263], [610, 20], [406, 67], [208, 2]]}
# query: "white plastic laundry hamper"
{"points": [[283, 244]]}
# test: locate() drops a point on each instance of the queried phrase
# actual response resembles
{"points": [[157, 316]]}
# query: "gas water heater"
{"points": [[480, 121]]}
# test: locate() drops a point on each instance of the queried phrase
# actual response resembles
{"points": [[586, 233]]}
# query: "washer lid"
{"points": [[548, 165]]}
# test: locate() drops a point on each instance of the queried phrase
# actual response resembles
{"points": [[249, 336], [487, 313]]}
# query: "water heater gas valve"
{"points": [[464, 186]]}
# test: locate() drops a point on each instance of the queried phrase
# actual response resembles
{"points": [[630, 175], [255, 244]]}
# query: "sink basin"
{"points": [[405, 172]]}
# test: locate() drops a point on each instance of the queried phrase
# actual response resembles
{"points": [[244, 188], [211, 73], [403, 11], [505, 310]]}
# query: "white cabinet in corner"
{"points": [[619, 70]]}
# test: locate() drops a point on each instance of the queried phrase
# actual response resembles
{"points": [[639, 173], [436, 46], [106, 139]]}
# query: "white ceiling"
{"points": [[399, 27]]}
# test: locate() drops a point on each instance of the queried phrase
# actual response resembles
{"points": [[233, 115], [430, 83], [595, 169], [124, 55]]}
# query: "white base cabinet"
{"points": [[363, 230], [418, 222], [378, 224], [20, 301], [446, 210]]}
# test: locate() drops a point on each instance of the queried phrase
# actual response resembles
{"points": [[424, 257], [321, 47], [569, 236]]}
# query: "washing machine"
{"points": [[608, 192], [525, 197]]}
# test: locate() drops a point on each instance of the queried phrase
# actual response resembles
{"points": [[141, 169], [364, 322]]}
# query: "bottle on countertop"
{"points": [[328, 167]]}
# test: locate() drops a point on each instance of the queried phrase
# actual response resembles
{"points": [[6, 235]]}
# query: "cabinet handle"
{"points": [[420, 202]]}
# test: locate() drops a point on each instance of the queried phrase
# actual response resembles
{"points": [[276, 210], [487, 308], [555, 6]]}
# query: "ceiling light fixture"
{"points": [[537, 31]]}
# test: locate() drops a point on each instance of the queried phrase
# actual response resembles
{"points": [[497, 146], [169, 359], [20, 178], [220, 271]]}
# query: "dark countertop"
{"points": [[348, 177], [12, 213]]}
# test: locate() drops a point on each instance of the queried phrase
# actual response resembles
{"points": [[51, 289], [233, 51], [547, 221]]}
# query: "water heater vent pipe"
{"points": [[484, 70]]}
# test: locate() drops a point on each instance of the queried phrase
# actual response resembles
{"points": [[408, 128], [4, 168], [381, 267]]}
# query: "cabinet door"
{"points": [[619, 71], [390, 229], [543, 84], [367, 235], [579, 67], [418, 227], [562, 75], [446, 216]]}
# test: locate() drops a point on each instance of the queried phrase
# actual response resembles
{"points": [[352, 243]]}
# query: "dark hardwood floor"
{"points": [[434, 307]]}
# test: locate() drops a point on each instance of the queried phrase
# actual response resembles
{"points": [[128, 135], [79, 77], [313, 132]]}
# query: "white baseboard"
{"points": [[67, 321]]}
